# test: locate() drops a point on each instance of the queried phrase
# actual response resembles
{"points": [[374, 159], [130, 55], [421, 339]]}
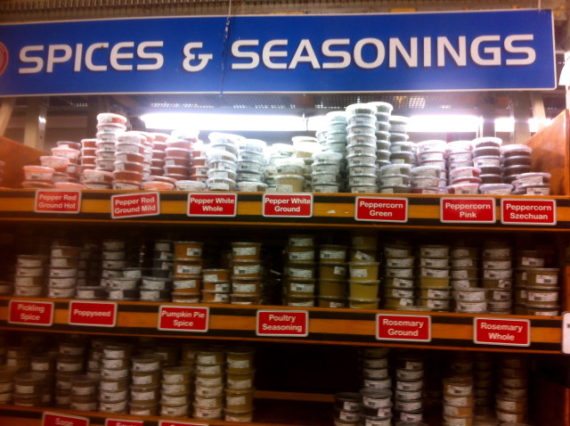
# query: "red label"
{"points": [[96, 314], [135, 205], [282, 323], [467, 210], [492, 331], [528, 212], [288, 205], [48, 201], [219, 205], [184, 318], [409, 328], [53, 419], [379, 209], [171, 423], [30, 313], [119, 422]]}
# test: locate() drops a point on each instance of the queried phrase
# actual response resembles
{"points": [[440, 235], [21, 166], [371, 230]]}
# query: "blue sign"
{"points": [[491, 50]]}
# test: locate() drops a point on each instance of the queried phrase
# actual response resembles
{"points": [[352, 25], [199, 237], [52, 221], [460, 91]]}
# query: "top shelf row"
{"points": [[307, 210]]}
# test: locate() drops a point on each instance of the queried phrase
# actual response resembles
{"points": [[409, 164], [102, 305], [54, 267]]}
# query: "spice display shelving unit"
{"points": [[342, 327]]}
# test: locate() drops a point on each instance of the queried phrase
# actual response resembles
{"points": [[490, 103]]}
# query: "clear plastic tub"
{"points": [[111, 118], [512, 150], [360, 130], [487, 142], [361, 160], [360, 108], [427, 172], [63, 151], [395, 180], [496, 189], [383, 108], [403, 147], [362, 150], [464, 188], [41, 173], [289, 183], [294, 166], [361, 139], [362, 120], [56, 163]]}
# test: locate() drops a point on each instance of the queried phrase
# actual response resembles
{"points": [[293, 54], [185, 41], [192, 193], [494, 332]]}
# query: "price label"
{"points": [[501, 332], [54, 419], [288, 205], [56, 201], [218, 205], [380, 209], [184, 318], [171, 423], [467, 210], [135, 205], [282, 323], [94, 314], [30, 313], [528, 212], [120, 422], [407, 328]]}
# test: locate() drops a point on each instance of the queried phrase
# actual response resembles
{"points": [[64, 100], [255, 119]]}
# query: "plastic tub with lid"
{"points": [[359, 129], [403, 157], [111, 118], [496, 189]]}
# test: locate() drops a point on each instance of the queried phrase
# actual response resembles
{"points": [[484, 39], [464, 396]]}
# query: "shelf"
{"points": [[329, 211], [326, 326], [266, 413]]}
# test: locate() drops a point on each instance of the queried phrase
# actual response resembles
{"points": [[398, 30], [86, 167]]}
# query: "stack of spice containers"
{"points": [[483, 385], [305, 147], [408, 398], [512, 394], [300, 271], [63, 270], [120, 283], [83, 393], [516, 160], [434, 277], [497, 277], [187, 277], [176, 391], [30, 273], [44, 364], [216, 285], [222, 161], [276, 153], [300, 251], [332, 276], [361, 151], [69, 363], [487, 158], [395, 178], [290, 175], [399, 276], [376, 394], [536, 291], [464, 267], [430, 175], [532, 184], [89, 267], [326, 174], [94, 360], [209, 370], [251, 162], [199, 169], [155, 287], [114, 385], [109, 128], [336, 132], [158, 154], [28, 389], [145, 380], [458, 401], [239, 386], [383, 112], [129, 161], [460, 155], [71, 152], [247, 273], [178, 160], [398, 128], [364, 284], [348, 408]]}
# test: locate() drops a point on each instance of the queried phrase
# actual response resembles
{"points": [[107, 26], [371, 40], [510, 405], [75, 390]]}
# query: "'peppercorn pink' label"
{"points": [[467, 210]]}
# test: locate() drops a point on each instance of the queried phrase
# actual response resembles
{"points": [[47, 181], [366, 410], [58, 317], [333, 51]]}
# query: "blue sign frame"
{"points": [[417, 52]]}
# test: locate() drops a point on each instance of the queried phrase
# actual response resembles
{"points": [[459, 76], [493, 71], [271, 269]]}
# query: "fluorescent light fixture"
{"points": [[225, 122], [444, 123], [507, 124], [316, 123]]}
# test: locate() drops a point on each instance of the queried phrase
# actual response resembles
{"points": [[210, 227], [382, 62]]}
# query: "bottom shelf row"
{"points": [[169, 382]]}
